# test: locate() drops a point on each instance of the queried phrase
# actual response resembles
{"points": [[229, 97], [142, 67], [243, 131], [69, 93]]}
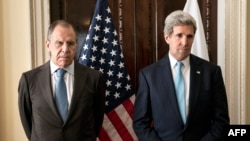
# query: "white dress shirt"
{"points": [[186, 75], [68, 78]]}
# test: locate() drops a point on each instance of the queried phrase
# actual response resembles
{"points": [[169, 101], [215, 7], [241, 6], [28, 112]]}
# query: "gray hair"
{"points": [[177, 18], [62, 23]]}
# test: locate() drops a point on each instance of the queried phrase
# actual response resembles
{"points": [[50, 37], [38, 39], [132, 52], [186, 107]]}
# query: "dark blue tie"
{"points": [[61, 94], [180, 89]]}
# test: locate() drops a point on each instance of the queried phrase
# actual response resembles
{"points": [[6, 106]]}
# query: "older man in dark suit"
{"points": [[69, 110], [186, 103]]}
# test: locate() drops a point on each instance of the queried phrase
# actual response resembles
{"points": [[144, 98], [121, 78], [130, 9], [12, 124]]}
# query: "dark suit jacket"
{"points": [[156, 112], [38, 112]]}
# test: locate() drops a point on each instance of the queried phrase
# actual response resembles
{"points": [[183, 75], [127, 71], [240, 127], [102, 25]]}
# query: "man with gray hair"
{"points": [[181, 97], [61, 100]]}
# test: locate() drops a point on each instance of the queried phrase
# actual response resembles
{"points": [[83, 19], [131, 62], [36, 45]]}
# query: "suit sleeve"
{"points": [[220, 109], [99, 104], [142, 120], [24, 105]]}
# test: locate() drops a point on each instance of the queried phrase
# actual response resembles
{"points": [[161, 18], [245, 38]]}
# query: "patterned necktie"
{"points": [[61, 94], [180, 89]]}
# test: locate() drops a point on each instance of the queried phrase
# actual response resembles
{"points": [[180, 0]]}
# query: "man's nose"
{"points": [[184, 40], [65, 47]]}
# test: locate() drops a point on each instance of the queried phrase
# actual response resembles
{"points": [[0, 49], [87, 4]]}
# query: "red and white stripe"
{"points": [[117, 124]]}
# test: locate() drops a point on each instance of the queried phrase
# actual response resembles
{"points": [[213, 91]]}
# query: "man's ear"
{"points": [[47, 42], [166, 37]]}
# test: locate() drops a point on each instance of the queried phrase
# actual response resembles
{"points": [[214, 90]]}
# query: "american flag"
{"points": [[102, 51]]}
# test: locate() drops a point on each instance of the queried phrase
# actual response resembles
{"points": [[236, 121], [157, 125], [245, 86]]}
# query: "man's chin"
{"points": [[65, 63]]}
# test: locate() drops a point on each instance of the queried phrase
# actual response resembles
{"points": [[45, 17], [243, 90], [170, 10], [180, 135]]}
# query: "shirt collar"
{"points": [[69, 69], [186, 61]]}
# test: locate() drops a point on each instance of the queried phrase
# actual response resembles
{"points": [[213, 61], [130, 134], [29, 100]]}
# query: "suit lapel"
{"points": [[169, 86], [79, 80], [195, 83], [44, 78]]}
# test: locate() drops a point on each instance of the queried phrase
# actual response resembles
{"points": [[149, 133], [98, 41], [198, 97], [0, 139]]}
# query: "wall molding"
{"points": [[40, 20], [235, 58]]}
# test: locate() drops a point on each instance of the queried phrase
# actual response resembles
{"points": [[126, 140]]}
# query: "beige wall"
{"points": [[15, 58]]}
